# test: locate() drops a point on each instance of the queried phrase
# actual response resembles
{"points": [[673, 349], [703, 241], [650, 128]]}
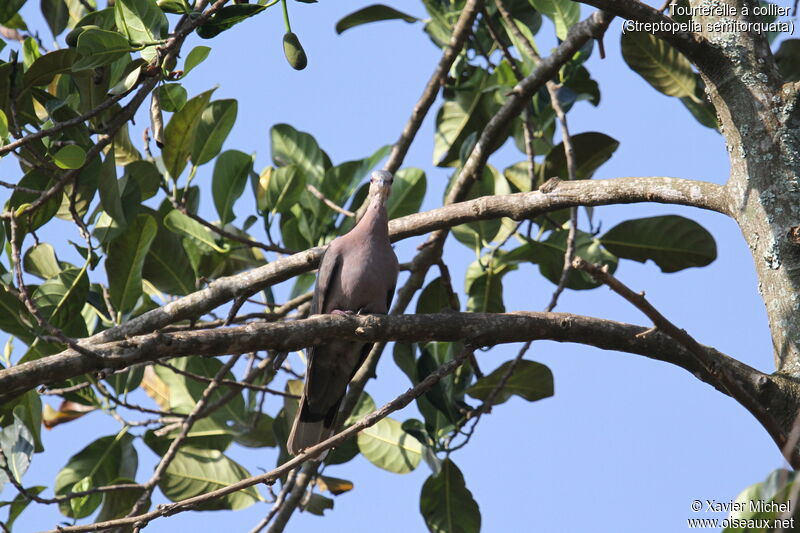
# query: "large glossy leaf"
{"points": [[281, 187], [70, 156], [408, 190], [387, 446], [654, 59], [61, 298], [16, 442], [549, 255], [435, 298], [120, 502], [38, 181], [8, 8], [101, 462], [100, 47], [292, 147], [476, 235], [108, 186], [205, 433], [591, 149], [196, 471], [48, 66], [200, 235], [166, 265], [373, 13], [184, 392], [530, 380], [126, 255], [41, 261], [447, 504], [28, 407], [671, 241], [141, 21], [227, 17], [212, 130], [56, 14], [231, 171], [563, 13], [483, 284], [180, 133]]}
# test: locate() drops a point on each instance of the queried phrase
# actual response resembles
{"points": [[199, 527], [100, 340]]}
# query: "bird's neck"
{"points": [[375, 220]]}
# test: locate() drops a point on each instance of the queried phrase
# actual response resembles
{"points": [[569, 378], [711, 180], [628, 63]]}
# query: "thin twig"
{"points": [[316, 192]]}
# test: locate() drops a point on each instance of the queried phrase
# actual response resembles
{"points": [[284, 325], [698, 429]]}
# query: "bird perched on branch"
{"points": [[357, 275]]}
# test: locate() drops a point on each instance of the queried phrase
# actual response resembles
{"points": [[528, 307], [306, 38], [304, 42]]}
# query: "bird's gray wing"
{"points": [[327, 276]]}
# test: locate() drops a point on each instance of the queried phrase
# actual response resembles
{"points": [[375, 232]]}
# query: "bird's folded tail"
{"points": [[311, 428]]}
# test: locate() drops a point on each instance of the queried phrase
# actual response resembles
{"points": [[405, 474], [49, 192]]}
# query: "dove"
{"points": [[357, 275]]}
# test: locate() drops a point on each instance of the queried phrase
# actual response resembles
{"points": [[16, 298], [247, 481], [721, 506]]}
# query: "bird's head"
{"points": [[380, 184]]}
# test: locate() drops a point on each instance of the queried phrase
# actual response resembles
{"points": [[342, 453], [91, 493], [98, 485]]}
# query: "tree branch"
{"points": [[481, 329]]}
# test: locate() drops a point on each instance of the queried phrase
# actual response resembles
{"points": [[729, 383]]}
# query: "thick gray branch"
{"points": [[479, 329], [518, 206]]}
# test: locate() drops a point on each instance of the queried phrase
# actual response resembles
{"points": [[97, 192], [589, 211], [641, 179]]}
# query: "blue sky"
{"points": [[626, 443]]}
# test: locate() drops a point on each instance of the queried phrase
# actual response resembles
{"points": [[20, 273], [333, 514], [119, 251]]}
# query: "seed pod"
{"points": [[294, 52]]}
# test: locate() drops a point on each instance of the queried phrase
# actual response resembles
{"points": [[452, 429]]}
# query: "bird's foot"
{"points": [[346, 312]]}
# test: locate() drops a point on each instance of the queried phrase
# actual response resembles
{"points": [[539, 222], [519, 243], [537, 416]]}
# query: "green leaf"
{"points": [[212, 130], [9, 8], [48, 66], [184, 393], [435, 298], [292, 147], [126, 255], [591, 149], [16, 442], [373, 13], [141, 21], [195, 57], [700, 107], [120, 502], [41, 261], [56, 14], [108, 186], [476, 235], [146, 177], [549, 255], [530, 380], [316, 504], [284, 186], [661, 65], [166, 265], [61, 298], [172, 97], [27, 407], [3, 126], [180, 133], [256, 432], [100, 47], [671, 241], [101, 462], [484, 284], [70, 156], [231, 171], [387, 446], [196, 471], [205, 433], [182, 224], [37, 180], [408, 191], [564, 13], [226, 18], [447, 504], [20, 503]]}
